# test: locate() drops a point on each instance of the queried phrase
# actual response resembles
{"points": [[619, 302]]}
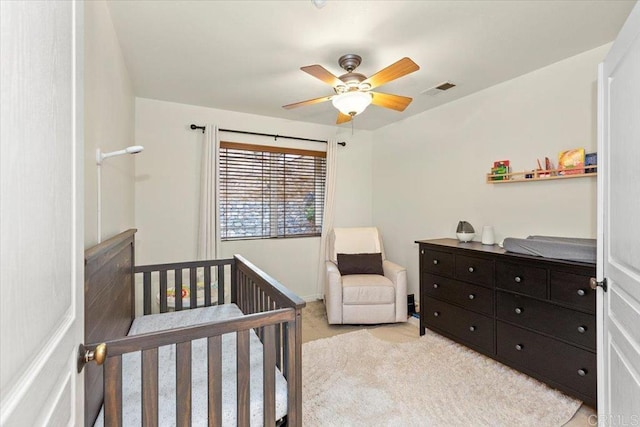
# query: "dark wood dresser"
{"points": [[534, 314]]}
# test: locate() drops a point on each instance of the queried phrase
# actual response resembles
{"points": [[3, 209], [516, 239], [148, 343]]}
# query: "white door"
{"points": [[41, 252], [619, 230]]}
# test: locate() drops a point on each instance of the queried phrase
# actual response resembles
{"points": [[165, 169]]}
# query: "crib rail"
{"points": [[148, 344], [256, 291], [270, 309], [201, 276]]}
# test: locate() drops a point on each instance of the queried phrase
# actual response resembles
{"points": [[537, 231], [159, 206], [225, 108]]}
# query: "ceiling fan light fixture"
{"points": [[352, 103], [319, 3]]}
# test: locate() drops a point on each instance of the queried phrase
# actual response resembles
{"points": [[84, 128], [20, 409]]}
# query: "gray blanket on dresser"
{"points": [[167, 377]]}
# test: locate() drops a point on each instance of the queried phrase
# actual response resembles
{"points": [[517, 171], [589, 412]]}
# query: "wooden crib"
{"points": [[269, 310]]}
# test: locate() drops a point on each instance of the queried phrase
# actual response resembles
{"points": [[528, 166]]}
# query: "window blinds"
{"points": [[270, 192]]}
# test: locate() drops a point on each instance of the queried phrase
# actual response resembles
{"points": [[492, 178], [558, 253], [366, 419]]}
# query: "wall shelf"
{"points": [[541, 175]]}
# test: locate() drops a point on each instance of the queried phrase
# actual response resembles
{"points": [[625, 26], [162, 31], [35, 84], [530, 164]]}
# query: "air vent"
{"points": [[439, 89], [445, 86]]}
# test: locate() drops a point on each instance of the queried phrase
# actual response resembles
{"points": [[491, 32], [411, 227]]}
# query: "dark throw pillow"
{"points": [[360, 264]]}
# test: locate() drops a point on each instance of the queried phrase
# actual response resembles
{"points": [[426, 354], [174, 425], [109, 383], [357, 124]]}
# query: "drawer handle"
{"points": [[582, 329], [582, 372], [471, 296], [436, 286], [436, 313], [519, 347], [422, 252], [518, 310], [435, 262], [581, 292], [518, 279], [471, 269], [472, 328]]}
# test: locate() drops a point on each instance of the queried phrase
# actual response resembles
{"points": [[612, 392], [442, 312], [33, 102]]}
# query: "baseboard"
{"points": [[311, 298]]}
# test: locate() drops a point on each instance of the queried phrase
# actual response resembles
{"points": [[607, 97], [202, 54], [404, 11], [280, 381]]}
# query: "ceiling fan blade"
{"points": [[343, 118], [387, 100], [394, 71], [321, 73], [308, 102]]}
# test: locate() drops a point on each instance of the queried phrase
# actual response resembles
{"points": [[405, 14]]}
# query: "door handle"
{"points": [[593, 284], [96, 354]]}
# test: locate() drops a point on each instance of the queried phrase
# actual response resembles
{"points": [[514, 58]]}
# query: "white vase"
{"points": [[488, 237]]}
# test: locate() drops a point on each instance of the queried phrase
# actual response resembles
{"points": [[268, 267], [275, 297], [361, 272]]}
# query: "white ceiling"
{"points": [[246, 55]]}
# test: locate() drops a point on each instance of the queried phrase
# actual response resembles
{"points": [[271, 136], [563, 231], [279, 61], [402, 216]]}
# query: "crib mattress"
{"points": [[572, 249], [131, 378]]}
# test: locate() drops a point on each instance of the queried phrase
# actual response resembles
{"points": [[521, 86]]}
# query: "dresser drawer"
{"points": [[573, 326], [474, 270], [472, 297], [572, 289], [437, 262], [522, 278], [554, 360], [472, 328]]}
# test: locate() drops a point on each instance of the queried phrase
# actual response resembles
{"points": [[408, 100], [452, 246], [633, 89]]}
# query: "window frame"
{"points": [[276, 229]]}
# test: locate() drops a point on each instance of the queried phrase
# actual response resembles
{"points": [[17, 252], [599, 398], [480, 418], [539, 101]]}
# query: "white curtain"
{"points": [[208, 235], [329, 207]]}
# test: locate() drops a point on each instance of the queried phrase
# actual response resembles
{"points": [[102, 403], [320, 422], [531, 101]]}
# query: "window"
{"points": [[270, 192]]}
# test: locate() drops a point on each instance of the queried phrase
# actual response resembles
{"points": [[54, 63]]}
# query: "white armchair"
{"points": [[363, 298]]}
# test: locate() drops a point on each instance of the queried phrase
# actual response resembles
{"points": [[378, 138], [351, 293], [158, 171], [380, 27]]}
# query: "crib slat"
{"points": [[221, 284], [183, 384], [193, 287], [178, 289], [250, 298], [278, 340], [243, 293], [286, 356], [207, 286], [247, 293], [150, 387], [234, 281], [238, 292], [113, 391], [243, 375], [146, 292], [214, 372], [255, 297], [293, 382], [163, 291], [269, 376]]}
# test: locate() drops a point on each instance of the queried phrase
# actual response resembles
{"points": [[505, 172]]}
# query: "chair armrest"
{"points": [[392, 270], [333, 293], [398, 275], [331, 267]]}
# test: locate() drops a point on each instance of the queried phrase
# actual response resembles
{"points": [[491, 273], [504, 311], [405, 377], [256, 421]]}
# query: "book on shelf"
{"points": [[590, 159], [571, 162], [500, 167]]}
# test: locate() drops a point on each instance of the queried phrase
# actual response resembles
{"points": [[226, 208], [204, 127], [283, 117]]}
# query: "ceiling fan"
{"points": [[353, 90]]}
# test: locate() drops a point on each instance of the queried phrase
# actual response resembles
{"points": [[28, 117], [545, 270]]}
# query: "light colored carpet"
{"points": [[356, 379]]}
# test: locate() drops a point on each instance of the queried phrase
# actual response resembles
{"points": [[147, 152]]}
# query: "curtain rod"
{"points": [[194, 127]]}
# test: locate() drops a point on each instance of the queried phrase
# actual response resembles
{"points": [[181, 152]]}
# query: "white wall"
{"points": [[167, 188], [430, 168], [109, 125]]}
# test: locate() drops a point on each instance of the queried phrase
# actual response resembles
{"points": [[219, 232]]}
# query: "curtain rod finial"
{"points": [[194, 127]]}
